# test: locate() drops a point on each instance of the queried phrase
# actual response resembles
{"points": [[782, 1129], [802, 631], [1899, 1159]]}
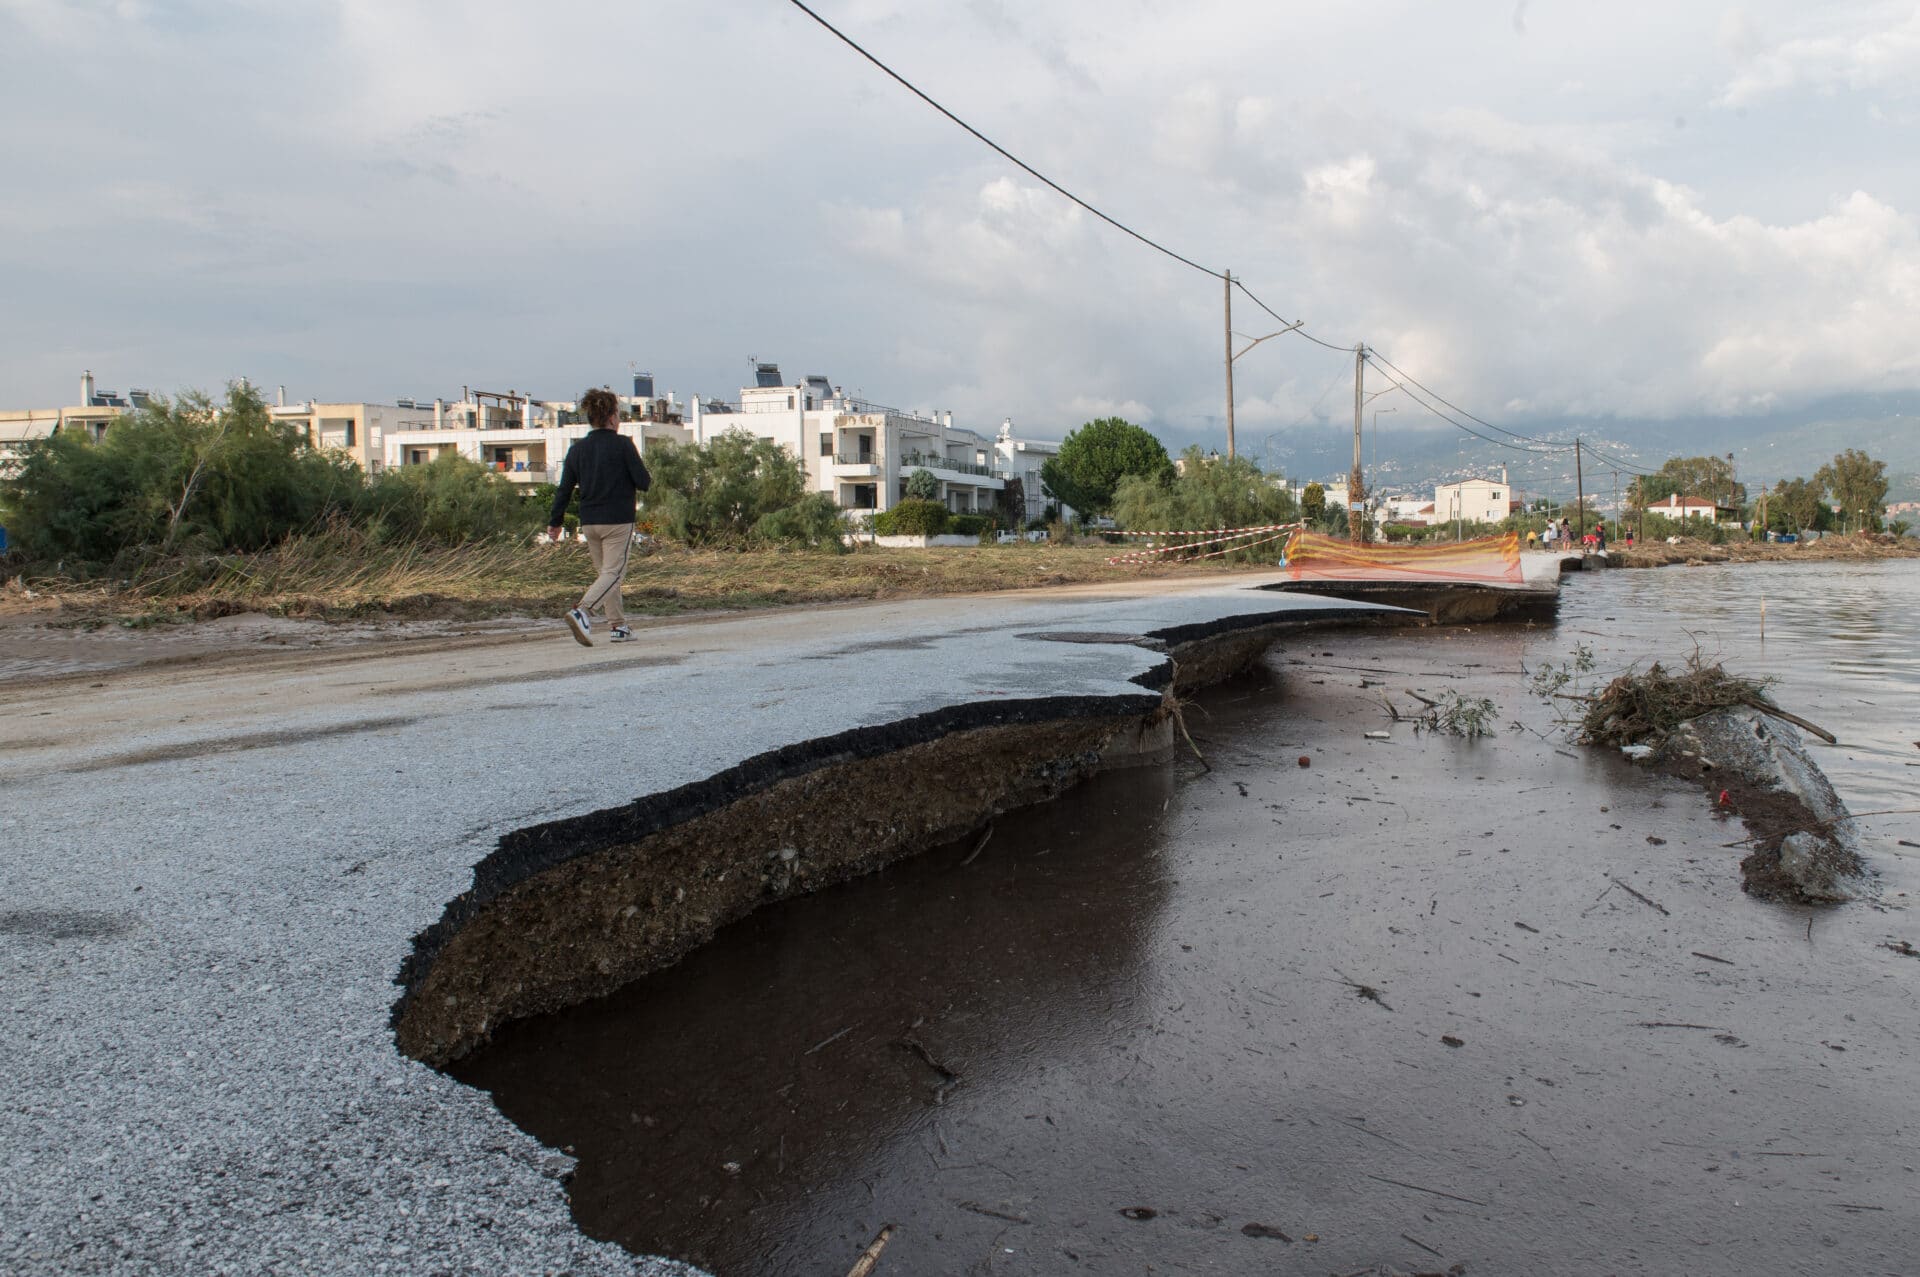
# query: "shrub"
{"points": [[1207, 493], [923, 485], [174, 475], [716, 494], [814, 521], [968, 525], [449, 501], [912, 518]]}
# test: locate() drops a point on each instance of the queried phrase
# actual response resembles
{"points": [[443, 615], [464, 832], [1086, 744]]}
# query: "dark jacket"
{"points": [[607, 469]]}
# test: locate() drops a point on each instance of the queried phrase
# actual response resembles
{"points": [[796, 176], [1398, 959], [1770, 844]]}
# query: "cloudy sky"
{"points": [[1545, 210]]}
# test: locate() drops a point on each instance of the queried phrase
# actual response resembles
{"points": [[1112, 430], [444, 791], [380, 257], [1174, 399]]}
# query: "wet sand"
{"points": [[1132, 1032]]}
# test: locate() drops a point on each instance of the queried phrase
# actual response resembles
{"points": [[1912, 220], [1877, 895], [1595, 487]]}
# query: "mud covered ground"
{"points": [[1424, 1002]]}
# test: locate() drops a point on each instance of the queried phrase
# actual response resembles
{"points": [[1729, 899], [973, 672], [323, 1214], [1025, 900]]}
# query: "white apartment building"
{"points": [[522, 438], [1473, 500], [1016, 458], [859, 453]]}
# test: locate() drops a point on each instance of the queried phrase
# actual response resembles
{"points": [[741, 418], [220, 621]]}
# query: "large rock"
{"points": [[1803, 833]]}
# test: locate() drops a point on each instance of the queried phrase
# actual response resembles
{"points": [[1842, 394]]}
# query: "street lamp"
{"points": [[1233, 356], [1376, 428]]}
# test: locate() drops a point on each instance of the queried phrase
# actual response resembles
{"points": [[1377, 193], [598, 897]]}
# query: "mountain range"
{"points": [[1765, 449]]}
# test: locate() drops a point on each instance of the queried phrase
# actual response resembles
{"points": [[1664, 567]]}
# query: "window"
{"points": [[348, 441], [789, 402], [826, 445]]}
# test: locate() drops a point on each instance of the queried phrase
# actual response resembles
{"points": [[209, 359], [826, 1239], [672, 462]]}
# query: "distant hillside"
{"points": [[1765, 449]]}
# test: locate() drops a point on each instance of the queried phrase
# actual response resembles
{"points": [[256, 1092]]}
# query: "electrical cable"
{"points": [[1002, 151], [1624, 466], [1297, 328], [1374, 354], [1458, 425]]}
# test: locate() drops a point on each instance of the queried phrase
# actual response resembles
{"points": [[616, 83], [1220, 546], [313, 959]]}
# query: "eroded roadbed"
{"points": [[1424, 1002]]}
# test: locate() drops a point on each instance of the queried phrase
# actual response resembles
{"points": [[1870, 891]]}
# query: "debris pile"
{"points": [[1647, 707]]}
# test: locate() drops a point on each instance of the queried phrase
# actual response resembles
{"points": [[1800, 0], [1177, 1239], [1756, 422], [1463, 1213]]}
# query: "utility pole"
{"points": [[1353, 480], [1227, 279], [1616, 503], [1580, 489]]}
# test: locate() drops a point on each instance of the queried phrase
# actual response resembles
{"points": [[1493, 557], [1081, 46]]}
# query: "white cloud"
{"points": [[1884, 58], [369, 196]]}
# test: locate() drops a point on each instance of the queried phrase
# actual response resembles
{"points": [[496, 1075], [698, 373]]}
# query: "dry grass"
{"points": [[345, 578], [1831, 549]]}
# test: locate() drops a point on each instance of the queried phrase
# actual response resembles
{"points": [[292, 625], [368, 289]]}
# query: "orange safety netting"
{"points": [[1313, 557]]}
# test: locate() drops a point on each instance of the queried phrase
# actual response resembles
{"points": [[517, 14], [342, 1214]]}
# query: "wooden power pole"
{"points": [[1580, 490], [1354, 531], [1227, 277]]}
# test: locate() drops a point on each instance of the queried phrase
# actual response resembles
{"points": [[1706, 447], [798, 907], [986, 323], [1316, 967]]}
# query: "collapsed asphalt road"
{"points": [[213, 876]]}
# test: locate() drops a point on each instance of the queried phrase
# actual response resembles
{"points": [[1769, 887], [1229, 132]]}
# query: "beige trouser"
{"points": [[608, 544]]}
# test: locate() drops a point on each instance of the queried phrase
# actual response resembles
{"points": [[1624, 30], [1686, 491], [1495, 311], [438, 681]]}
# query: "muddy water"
{"points": [[1841, 639], [1128, 1033]]}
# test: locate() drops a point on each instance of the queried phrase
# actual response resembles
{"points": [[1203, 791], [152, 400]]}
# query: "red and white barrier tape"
{"points": [[1218, 537], [1200, 532]]}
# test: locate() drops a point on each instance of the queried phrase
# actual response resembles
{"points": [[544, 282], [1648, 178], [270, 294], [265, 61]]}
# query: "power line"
{"points": [[1372, 353], [1158, 247], [1291, 327], [1459, 425], [1002, 151]]}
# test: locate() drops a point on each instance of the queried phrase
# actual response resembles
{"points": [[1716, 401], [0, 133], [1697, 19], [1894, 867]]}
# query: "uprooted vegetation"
{"points": [[1646, 707]]}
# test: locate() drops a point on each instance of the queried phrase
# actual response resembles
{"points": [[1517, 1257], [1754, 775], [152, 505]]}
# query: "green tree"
{"points": [[1313, 502], [1859, 486], [1710, 477], [1095, 458], [1798, 505], [923, 485]]}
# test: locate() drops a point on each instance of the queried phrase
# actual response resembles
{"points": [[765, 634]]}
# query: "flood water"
{"points": [[1129, 1035]]}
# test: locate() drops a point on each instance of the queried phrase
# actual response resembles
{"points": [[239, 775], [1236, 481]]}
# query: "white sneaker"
{"points": [[621, 634], [582, 626]]}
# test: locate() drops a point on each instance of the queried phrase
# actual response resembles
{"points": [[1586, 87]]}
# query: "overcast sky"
{"points": [[1543, 210]]}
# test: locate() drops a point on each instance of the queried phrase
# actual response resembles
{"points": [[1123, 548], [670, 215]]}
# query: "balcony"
{"points": [[932, 461], [523, 471], [860, 465]]}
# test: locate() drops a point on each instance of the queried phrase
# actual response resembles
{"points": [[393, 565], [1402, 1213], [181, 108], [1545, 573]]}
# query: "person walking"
{"points": [[605, 466]]}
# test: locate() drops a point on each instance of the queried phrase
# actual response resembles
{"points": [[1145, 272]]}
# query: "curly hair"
{"points": [[600, 407]]}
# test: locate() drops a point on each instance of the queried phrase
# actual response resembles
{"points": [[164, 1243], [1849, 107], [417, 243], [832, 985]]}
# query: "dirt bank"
{"points": [[1862, 548], [314, 581], [49, 632], [564, 912]]}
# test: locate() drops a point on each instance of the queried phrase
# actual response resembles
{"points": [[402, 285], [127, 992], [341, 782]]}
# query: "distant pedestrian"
{"points": [[606, 468], [1533, 538]]}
